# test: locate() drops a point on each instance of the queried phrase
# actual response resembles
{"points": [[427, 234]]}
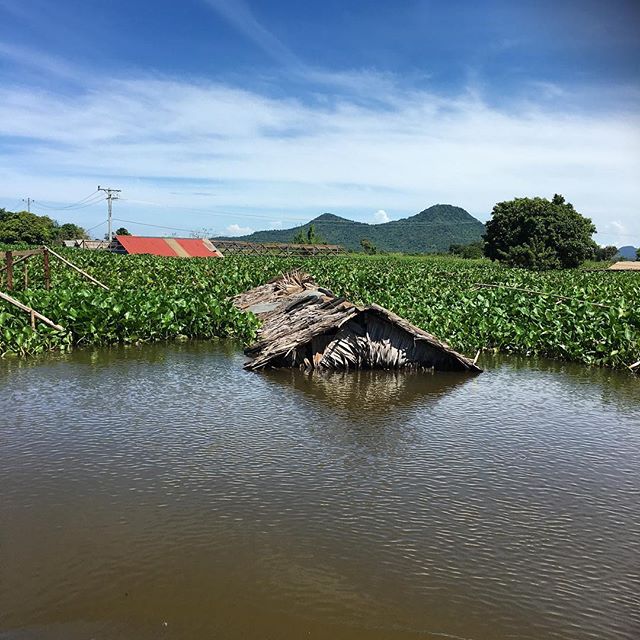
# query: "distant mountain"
{"points": [[626, 253], [431, 230]]}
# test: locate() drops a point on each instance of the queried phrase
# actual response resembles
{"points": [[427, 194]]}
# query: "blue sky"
{"points": [[231, 116]]}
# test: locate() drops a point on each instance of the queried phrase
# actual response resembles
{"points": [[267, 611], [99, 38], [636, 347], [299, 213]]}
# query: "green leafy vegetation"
{"points": [[24, 227], [605, 254], [430, 231], [368, 247], [154, 298], [537, 233], [472, 250], [308, 236]]}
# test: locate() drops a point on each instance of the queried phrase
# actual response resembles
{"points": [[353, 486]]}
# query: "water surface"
{"points": [[163, 492]]}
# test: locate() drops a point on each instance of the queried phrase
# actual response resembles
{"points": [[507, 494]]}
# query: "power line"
{"points": [[161, 226], [96, 197], [156, 226], [96, 226], [210, 214], [88, 201], [16, 207], [92, 203]]}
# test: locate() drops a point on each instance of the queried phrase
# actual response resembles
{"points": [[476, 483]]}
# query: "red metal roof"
{"points": [[172, 247], [197, 248]]}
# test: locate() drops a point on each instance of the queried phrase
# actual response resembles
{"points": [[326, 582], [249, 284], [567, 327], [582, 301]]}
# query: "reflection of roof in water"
{"points": [[365, 393], [306, 326]]}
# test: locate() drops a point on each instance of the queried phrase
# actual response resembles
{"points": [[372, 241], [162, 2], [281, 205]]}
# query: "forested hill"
{"points": [[433, 229], [626, 253]]}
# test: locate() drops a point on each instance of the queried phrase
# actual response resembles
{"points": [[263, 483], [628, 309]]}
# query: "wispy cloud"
{"points": [[619, 234], [32, 59], [239, 14], [375, 85], [281, 157]]}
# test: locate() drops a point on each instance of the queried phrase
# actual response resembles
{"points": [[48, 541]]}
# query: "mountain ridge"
{"points": [[431, 230], [627, 252]]}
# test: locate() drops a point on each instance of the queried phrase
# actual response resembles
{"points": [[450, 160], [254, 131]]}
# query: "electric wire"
{"points": [[16, 207], [211, 214], [88, 201], [157, 226], [96, 226], [95, 197], [90, 196]]}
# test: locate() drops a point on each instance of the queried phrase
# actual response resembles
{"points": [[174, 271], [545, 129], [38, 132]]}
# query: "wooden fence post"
{"points": [[47, 269], [9, 258], [78, 269], [34, 314]]}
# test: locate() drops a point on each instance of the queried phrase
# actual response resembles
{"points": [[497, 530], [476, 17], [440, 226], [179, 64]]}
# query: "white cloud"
{"points": [[258, 153], [237, 230], [26, 58], [618, 226], [380, 216], [618, 234]]}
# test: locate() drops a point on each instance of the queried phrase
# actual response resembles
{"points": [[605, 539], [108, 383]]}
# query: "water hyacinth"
{"points": [[588, 317]]}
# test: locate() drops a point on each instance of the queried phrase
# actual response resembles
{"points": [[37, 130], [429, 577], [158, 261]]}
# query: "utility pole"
{"points": [[112, 194], [28, 201]]}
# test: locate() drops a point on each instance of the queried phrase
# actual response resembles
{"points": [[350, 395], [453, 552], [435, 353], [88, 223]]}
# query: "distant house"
{"points": [[80, 243], [170, 247]]}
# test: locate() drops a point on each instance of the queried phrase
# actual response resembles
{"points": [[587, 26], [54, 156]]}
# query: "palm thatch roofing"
{"points": [[307, 326]]}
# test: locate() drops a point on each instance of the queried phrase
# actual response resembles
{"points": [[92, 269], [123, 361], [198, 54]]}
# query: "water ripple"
{"points": [[165, 484]]}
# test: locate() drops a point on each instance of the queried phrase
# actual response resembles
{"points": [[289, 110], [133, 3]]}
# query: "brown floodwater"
{"points": [[162, 492]]}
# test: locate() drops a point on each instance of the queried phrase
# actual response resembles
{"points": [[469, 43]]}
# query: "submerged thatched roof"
{"points": [[305, 325]]}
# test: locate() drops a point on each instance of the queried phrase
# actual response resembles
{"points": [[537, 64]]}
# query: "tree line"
{"points": [[30, 228], [534, 233], [24, 227]]}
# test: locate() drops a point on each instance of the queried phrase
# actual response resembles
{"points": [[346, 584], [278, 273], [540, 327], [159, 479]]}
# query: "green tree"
{"points": [[23, 226], [308, 237], [70, 231], [537, 233], [368, 246], [122, 231], [638, 254], [605, 254], [472, 250]]}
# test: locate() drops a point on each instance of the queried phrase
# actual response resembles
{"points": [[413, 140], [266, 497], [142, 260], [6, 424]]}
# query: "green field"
{"points": [[155, 298]]}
